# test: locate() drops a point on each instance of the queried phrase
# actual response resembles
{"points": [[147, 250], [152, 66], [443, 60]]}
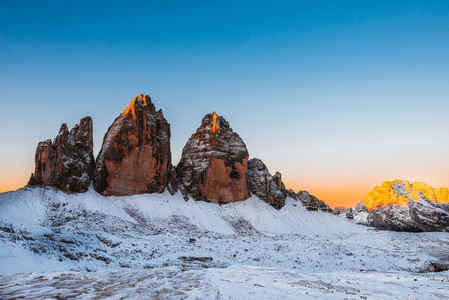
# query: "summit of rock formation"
{"points": [[213, 163], [67, 163], [404, 206], [135, 157]]}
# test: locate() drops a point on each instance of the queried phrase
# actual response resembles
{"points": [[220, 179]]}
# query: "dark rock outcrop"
{"points": [[67, 163], [173, 182], [272, 190], [421, 216], [346, 213], [213, 163], [312, 203], [135, 157], [269, 188]]}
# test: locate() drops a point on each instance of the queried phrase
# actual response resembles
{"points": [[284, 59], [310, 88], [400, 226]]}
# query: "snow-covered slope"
{"points": [[48, 230]]}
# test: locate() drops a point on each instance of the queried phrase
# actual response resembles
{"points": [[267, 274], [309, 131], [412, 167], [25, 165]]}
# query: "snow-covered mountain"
{"points": [[223, 250], [402, 206], [146, 229]]}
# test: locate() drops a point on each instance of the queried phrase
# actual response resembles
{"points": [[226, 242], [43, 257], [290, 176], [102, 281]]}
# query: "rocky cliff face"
{"points": [[66, 163], [135, 157], [269, 188], [272, 190], [213, 163], [403, 206], [312, 203]]}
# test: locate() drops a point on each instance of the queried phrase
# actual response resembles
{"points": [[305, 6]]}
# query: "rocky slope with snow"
{"points": [[402, 206], [46, 230]]}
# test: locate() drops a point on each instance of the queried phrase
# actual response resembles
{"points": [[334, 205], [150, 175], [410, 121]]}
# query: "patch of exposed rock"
{"points": [[135, 157], [213, 163], [261, 183], [312, 203], [357, 214], [67, 163], [420, 216]]}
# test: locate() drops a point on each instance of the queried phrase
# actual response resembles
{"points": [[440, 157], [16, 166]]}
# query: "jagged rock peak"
{"points": [[312, 203], [269, 188], [68, 162], [135, 157], [213, 163]]}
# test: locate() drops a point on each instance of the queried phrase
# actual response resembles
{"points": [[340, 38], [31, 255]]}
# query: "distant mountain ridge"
{"points": [[402, 206]]}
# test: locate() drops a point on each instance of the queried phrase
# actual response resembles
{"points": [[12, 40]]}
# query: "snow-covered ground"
{"points": [[158, 245], [235, 282]]}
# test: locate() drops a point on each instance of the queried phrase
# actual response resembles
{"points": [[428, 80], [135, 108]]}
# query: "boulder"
{"points": [[67, 163], [213, 163], [135, 157]]}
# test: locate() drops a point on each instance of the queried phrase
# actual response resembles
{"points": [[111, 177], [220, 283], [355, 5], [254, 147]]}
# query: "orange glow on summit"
{"points": [[215, 128], [401, 192], [131, 107]]}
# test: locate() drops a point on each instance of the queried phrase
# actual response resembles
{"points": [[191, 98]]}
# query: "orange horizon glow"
{"points": [[333, 193], [12, 186]]}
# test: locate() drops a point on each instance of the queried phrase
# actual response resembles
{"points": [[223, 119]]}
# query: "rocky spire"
{"points": [[68, 162], [213, 163], [135, 157], [265, 186]]}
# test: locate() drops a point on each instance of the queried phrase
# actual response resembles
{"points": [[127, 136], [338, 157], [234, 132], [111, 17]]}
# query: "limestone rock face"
{"points": [[268, 188], [213, 163], [403, 206], [135, 157], [312, 203], [67, 163]]}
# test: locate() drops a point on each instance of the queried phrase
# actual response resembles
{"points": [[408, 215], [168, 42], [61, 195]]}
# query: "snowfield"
{"points": [[58, 245]]}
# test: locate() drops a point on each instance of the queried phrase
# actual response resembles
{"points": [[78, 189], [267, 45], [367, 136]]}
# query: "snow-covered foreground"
{"points": [[235, 282], [157, 245]]}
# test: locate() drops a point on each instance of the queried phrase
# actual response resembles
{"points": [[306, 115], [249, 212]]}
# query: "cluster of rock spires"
{"points": [[135, 158], [402, 206]]}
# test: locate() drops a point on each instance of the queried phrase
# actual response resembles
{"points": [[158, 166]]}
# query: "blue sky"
{"points": [[337, 95]]}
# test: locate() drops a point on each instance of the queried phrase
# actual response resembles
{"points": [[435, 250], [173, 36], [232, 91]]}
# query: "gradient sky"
{"points": [[338, 96]]}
